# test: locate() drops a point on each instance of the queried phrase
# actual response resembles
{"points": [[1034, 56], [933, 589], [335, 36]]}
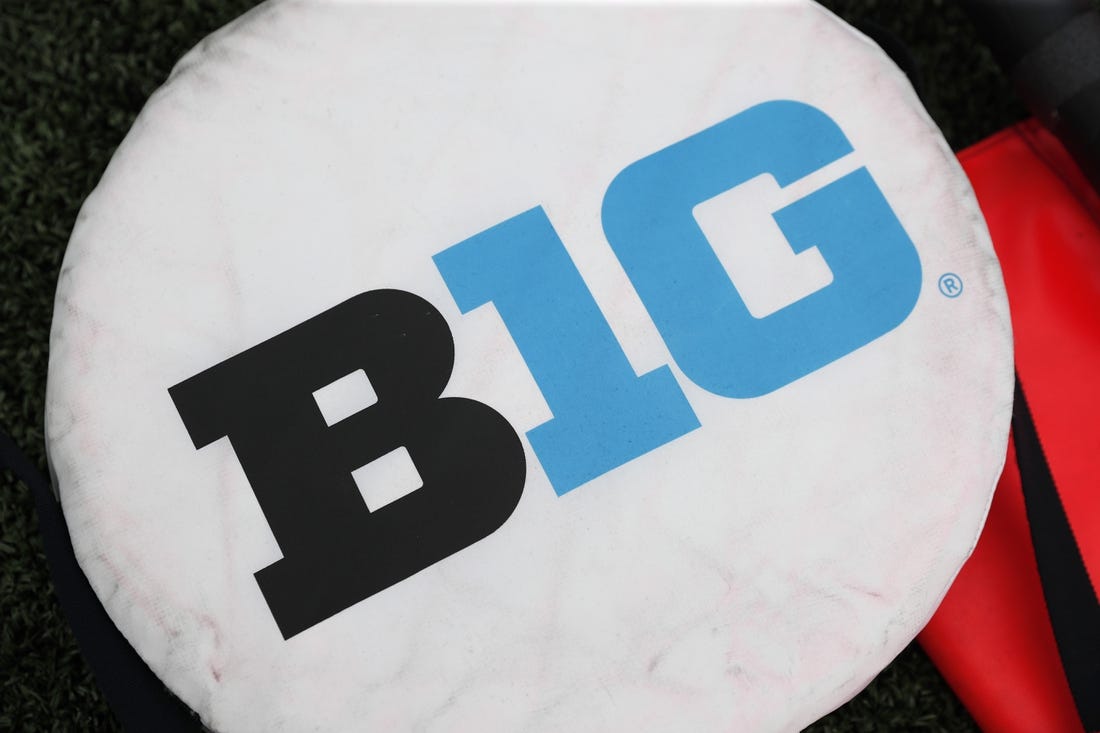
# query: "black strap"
{"points": [[1051, 51], [1071, 600], [137, 697]]}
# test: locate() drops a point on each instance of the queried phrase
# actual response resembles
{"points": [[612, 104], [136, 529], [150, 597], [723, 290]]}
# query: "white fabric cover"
{"points": [[751, 575]]}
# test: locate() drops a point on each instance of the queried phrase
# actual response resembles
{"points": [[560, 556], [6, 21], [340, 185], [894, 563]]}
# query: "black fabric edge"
{"points": [[136, 696]]}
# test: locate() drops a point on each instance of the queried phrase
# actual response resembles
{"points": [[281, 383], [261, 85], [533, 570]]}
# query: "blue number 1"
{"points": [[604, 414]]}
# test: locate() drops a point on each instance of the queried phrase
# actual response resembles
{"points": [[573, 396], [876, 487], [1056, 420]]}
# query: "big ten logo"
{"points": [[471, 462]]}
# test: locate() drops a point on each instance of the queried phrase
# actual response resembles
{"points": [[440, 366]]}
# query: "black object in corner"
{"points": [[137, 696], [1051, 51]]}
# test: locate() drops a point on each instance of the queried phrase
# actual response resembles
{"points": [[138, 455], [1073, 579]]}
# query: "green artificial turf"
{"points": [[73, 74]]}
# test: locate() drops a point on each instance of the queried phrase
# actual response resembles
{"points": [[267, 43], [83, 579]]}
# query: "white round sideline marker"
{"points": [[711, 468]]}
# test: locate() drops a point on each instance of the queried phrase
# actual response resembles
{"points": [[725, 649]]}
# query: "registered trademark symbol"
{"points": [[951, 285]]}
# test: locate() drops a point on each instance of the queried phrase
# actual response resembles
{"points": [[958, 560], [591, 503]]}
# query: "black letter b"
{"points": [[335, 551]]}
